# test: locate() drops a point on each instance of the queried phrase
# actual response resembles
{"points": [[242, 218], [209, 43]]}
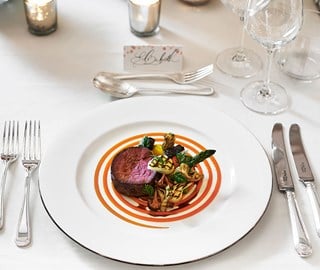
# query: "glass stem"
{"points": [[266, 91], [242, 34], [240, 56]]}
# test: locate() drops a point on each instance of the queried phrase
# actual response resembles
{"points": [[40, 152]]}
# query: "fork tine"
{"points": [[4, 138], [13, 138], [33, 149], [32, 140], [198, 76], [38, 135], [25, 153], [190, 73], [10, 137], [16, 139], [203, 69]]}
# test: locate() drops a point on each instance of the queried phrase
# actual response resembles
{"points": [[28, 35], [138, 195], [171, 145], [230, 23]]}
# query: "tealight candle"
{"points": [[144, 16], [41, 16]]}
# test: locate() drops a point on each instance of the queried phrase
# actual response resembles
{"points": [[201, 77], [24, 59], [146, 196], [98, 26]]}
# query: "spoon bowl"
{"points": [[121, 89]]}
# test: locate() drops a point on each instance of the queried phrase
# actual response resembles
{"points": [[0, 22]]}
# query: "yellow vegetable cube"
{"points": [[157, 150]]}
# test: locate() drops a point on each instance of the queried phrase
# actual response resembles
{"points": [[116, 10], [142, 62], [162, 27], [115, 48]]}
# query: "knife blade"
{"points": [[285, 184], [305, 173]]}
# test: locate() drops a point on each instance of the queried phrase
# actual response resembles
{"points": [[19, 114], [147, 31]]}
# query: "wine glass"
{"points": [[273, 25], [239, 61]]}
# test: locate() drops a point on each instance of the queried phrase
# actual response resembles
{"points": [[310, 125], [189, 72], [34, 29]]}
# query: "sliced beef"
{"points": [[129, 171]]}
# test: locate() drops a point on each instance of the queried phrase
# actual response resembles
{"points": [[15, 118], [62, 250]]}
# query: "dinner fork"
{"points": [[180, 78], [31, 158], [9, 154]]}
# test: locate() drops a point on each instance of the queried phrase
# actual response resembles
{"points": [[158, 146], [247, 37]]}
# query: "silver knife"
{"points": [[305, 173], [285, 184]]}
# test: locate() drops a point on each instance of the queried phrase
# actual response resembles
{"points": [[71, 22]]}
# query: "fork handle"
{"points": [[2, 189], [23, 237], [206, 91], [134, 75]]}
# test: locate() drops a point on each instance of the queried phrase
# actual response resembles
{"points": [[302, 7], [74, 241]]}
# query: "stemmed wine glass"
{"points": [[239, 61], [273, 25]]}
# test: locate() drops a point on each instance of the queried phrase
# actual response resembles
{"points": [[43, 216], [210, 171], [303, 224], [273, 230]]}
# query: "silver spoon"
{"points": [[122, 89]]}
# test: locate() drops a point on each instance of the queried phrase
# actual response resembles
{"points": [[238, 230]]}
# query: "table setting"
{"points": [[141, 134]]}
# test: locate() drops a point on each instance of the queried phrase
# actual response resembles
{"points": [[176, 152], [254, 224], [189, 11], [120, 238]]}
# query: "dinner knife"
{"points": [[305, 173], [285, 184]]}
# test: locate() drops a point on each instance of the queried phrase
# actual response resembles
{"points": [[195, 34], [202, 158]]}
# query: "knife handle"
{"points": [[300, 237], [315, 204]]}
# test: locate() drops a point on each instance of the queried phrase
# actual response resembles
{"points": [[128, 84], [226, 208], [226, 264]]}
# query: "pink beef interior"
{"points": [[131, 166], [140, 174]]}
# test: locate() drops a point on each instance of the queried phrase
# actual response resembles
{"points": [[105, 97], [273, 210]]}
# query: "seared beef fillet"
{"points": [[129, 171]]}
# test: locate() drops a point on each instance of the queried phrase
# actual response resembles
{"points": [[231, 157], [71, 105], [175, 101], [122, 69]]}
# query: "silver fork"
{"points": [[9, 154], [180, 78], [31, 158]]}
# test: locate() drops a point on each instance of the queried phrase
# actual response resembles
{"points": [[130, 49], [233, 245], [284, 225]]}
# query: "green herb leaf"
{"points": [[178, 177], [184, 158], [147, 142], [148, 190]]}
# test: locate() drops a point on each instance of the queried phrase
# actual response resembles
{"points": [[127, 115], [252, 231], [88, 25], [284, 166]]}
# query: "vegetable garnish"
{"points": [[178, 174], [192, 161]]}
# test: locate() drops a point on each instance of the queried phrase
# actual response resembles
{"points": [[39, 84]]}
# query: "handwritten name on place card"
{"points": [[162, 58]]}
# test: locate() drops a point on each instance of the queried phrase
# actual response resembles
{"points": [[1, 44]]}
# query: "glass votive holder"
{"points": [[195, 2], [3, 1], [41, 16], [300, 59], [144, 17]]}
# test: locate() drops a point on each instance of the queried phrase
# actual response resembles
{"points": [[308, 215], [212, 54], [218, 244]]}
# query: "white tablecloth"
{"points": [[49, 78]]}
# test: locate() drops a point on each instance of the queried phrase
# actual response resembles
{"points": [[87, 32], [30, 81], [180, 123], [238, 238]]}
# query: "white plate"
{"points": [[73, 187]]}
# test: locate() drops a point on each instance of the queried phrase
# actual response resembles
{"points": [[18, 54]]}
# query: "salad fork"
{"points": [[31, 158], [180, 78], [9, 154]]}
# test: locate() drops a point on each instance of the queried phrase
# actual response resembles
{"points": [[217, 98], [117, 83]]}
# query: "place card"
{"points": [[164, 58]]}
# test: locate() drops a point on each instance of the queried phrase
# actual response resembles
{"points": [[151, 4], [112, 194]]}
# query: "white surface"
{"points": [[96, 228], [49, 78]]}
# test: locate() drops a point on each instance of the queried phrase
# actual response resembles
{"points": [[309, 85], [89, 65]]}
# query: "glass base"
{"points": [[145, 34], [300, 65], [42, 31], [258, 100], [237, 62], [195, 2]]}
